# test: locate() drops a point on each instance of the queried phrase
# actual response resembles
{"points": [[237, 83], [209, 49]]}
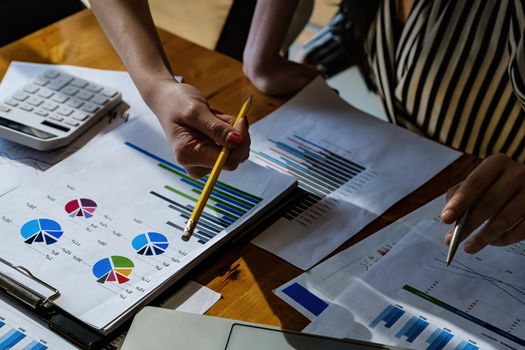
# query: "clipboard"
{"points": [[37, 297]]}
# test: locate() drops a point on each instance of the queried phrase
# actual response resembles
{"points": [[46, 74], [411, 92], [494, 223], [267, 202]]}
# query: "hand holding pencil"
{"points": [[212, 178]]}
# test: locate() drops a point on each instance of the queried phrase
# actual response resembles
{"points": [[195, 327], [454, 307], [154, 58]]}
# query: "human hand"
{"points": [[495, 191], [281, 77], [196, 132]]}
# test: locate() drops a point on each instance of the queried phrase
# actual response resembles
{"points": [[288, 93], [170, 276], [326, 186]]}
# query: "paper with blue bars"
{"points": [[411, 298]]}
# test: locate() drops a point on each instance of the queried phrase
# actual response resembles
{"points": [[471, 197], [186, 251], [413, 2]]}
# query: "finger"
{"points": [[226, 118], [221, 132], [514, 235], [197, 172], [194, 149], [477, 182], [501, 222], [451, 191]]}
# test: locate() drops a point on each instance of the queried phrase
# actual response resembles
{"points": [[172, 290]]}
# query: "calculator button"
{"points": [[49, 106], [60, 98], [109, 92], [45, 93], [89, 107], [35, 101], [4, 108], [99, 99], [51, 74], [80, 83], [72, 123], [26, 107], [31, 88], [64, 78], [69, 90], [75, 103], [20, 96], [11, 102], [41, 81], [85, 95], [41, 112], [56, 118], [94, 88], [65, 111], [56, 85], [80, 116]]}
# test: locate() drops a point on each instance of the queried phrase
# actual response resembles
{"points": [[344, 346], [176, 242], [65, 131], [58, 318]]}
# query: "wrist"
{"points": [[149, 83]]}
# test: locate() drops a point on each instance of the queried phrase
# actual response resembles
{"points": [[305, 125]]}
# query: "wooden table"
{"points": [[245, 275]]}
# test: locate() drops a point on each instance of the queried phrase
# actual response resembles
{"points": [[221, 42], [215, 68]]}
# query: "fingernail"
{"points": [[468, 247], [446, 214], [234, 139]]}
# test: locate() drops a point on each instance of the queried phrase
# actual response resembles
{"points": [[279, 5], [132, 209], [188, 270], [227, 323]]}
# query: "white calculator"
{"points": [[54, 109]]}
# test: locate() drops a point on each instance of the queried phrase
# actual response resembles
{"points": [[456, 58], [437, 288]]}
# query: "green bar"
{"points": [[163, 166], [198, 182], [209, 206], [240, 191], [423, 295], [221, 201]]}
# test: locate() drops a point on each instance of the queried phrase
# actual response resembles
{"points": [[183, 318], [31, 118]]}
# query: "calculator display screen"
{"points": [[26, 129]]}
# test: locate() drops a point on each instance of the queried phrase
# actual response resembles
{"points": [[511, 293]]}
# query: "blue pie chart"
{"points": [[41, 231], [150, 243]]}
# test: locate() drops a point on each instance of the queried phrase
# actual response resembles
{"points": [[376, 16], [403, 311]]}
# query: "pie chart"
{"points": [[81, 207], [150, 243], [113, 269], [41, 231]]}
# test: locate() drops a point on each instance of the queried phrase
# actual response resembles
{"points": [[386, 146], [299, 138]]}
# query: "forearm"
{"points": [[268, 30], [131, 31]]}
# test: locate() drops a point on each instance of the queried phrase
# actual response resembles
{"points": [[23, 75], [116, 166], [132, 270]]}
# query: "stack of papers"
{"points": [[411, 298]]}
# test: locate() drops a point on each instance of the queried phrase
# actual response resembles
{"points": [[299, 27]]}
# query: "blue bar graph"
{"points": [[438, 339], [226, 205], [34, 345], [305, 298], [465, 345], [10, 339], [412, 329], [319, 171], [389, 315]]}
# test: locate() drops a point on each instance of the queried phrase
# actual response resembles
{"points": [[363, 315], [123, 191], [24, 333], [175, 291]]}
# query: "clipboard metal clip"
{"points": [[36, 293]]}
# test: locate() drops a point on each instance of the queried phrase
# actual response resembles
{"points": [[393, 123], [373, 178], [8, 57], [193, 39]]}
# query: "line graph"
{"points": [[515, 291]]}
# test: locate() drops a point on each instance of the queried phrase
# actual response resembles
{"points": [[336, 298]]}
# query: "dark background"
{"points": [[21, 17]]}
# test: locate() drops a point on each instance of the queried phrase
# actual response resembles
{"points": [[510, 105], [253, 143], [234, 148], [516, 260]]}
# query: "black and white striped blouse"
{"points": [[454, 72]]}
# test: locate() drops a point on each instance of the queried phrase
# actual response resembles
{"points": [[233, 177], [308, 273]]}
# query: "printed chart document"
{"points": [[412, 299], [313, 291], [19, 163], [18, 331], [352, 165], [104, 226]]}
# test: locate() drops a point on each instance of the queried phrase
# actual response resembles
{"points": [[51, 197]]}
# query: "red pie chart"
{"points": [[83, 207]]}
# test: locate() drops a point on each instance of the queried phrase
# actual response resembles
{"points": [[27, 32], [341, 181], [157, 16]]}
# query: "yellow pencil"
{"points": [[214, 175]]}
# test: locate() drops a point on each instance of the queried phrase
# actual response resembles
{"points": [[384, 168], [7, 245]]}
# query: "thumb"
{"points": [[218, 130]]}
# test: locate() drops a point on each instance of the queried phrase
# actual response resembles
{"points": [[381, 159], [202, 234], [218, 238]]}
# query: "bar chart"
{"points": [[225, 206], [11, 337], [411, 329], [319, 170]]}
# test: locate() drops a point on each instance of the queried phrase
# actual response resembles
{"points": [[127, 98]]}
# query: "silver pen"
{"points": [[456, 235]]}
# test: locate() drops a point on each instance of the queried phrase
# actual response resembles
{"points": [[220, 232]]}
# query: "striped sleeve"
{"points": [[516, 46]]}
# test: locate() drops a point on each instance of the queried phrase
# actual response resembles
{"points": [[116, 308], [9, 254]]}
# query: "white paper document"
{"points": [[104, 226], [353, 167], [193, 297], [17, 331], [412, 299], [313, 291], [19, 163]]}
